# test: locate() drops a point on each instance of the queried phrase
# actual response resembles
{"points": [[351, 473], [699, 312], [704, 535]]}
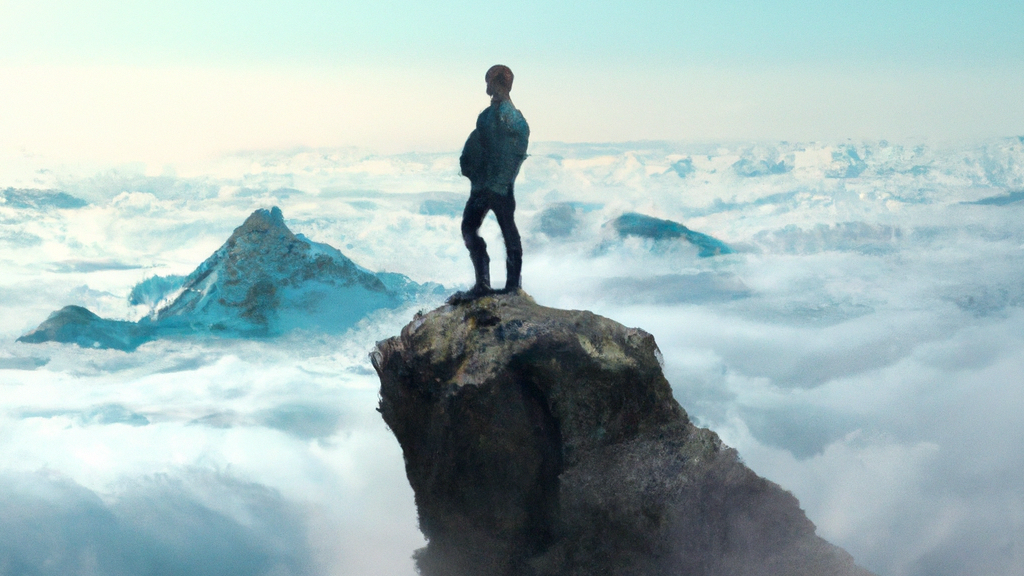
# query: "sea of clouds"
{"points": [[861, 347]]}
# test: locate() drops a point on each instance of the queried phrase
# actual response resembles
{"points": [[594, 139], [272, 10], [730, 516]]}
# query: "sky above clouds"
{"points": [[317, 32], [174, 81]]}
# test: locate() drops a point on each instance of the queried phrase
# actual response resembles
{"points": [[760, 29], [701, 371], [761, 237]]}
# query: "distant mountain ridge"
{"points": [[643, 226], [264, 280], [77, 325], [37, 199]]}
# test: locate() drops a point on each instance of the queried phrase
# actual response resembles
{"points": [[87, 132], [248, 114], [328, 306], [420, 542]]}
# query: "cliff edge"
{"points": [[541, 441]]}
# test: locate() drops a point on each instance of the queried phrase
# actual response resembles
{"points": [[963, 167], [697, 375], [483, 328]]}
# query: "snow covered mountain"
{"points": [[264, 280]]}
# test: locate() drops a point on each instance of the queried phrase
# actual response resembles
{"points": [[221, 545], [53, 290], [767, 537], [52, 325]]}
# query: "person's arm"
{"points": [[472, 157]]}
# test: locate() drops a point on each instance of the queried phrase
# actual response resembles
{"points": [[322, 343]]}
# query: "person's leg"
{"points": [[472, 218], [504, 210]]}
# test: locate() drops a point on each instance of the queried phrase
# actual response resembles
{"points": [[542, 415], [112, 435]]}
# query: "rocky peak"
{"points": [[263, 280], [263, 219], [547, 442], [264, 268], [263, 238]]}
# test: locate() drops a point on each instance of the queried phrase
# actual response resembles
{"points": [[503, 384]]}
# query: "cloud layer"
{"points": [[860, 347]]}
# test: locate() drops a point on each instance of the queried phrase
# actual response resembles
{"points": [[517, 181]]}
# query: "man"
{"points": [[491, 159]]}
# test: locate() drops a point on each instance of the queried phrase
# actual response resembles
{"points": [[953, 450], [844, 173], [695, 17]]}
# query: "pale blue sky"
{"points": [[792, 69], [236, 33]]}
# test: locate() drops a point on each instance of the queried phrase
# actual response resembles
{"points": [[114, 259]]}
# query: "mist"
{"points": [[860, 346]]}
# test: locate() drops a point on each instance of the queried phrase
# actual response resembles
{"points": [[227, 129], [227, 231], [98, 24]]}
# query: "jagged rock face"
{"points": [[542, 442], [264, 275]]}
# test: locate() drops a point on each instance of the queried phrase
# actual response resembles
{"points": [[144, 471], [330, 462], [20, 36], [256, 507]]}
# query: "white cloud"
{"points": [[192, 523], [871, 366]]}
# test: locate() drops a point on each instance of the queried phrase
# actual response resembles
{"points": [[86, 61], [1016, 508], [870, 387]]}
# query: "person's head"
{"points": [[499, 82]]}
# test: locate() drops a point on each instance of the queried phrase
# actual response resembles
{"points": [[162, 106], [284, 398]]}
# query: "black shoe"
{"points": [[469, 295]]}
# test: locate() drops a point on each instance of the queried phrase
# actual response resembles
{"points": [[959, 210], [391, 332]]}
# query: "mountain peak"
{"points": [[263, 239], [263, 220], [264, 269], [263, 280]]}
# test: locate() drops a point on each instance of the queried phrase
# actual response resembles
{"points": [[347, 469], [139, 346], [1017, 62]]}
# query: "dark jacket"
{"points": [[496, 149]]}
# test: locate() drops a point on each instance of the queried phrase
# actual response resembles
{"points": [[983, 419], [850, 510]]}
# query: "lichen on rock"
{"points": [[541, 441]]}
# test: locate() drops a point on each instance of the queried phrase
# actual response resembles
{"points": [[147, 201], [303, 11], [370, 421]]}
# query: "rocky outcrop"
{"points": [[547, 442]]}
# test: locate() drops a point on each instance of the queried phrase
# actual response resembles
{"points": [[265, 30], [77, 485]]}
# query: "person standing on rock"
{"points": [[491, 159]]}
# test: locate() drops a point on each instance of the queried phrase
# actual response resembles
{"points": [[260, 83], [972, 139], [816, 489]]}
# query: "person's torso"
{"points": [[504, 137]]}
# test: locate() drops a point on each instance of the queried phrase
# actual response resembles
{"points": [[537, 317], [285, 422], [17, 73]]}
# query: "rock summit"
{"points": [[541, 441]]}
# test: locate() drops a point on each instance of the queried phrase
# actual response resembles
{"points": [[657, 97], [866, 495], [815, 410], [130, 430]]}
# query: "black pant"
{"points": [[504, 207]]}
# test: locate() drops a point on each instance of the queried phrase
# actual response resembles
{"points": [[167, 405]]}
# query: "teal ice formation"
{"points": [[265, 280]]}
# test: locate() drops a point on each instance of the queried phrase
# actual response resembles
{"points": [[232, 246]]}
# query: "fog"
{"points": [[860, 346]]}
